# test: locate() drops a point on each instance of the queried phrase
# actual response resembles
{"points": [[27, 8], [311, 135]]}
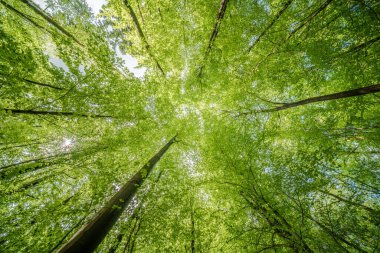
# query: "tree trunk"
{"points": [[363, 45], [42, 84], [192, 243], [142, 35], [137, 213], [48, 19], [54, 113], [337, 236], [344, 94], [309, 18], [374, 212], [276, 17], [22, 15], [91, 234], [276, 221], [214, 33]]}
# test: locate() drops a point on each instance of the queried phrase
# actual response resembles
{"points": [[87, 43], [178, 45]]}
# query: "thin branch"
{"points": [[275, 18], [142, 35], [47, 18], [344, 94], [214, 33]]}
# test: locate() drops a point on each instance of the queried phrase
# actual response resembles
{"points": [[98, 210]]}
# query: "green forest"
{"points": [[190, 126]]}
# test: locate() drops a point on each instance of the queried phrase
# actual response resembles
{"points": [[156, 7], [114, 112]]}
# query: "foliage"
{"points": [[302, 179]]}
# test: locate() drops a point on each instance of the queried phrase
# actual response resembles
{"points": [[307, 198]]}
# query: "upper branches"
{"points": [[142, 35], [343, 94], [275, 18], [214, 33]]}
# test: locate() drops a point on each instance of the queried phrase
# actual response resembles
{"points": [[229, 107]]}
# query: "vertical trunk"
{"points": [[91, 234], [310, 17], [278, 223], [276, 17], [374, 212], [337, 236], [142, 35], [192, 243], [42, 84], [48, 19], [363, 45], [344, 94], [138, 212], [54, 113], [214, 33], [22, 15]]}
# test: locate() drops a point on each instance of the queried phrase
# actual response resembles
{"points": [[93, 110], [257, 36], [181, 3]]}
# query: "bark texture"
{"points": [[51, 21], [92, 233], [214, 33], [142, 35], [276, 17], [344, 94], [54, 113]]}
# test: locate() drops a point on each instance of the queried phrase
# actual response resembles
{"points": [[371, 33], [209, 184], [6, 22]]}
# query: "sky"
{"points": [[96, 5]]}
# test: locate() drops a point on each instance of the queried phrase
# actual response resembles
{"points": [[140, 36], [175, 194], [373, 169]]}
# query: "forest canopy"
{"points": [[190, 126]]}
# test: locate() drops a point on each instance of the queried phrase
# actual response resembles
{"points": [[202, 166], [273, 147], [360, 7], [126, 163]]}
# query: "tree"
{"points": [[92, 233], [86, 95], [344, 94]]}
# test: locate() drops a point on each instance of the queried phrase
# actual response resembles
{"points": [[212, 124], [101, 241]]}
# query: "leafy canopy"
{"points": [[76, 124]]}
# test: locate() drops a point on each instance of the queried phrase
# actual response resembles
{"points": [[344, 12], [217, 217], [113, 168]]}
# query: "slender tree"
{"points": [[214, 33], [54, 113], [142, 35], [93, 232], [343, 94], [51, 21], [269, 26]]}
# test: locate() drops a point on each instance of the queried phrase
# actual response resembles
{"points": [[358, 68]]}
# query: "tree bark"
{"points": [[363, 45], [48, 19], [24, 16], [142, 35], [137, 213], [214, 33], [91, 234], [42, 84], [309, 18], [54, 113], [374, 212], [276, 17], [337, 236], [192, 243], [276, 221], [344, 94]]}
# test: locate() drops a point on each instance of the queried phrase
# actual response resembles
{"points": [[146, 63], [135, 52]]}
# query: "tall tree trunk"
{"points": [[91, 234], [309, 18], [48, 19], [35, 160], [276, 17], [192, 243], [42, 84], [138, 212], [24, 16], [214, 33], [54, 113], [337, 236], [142, 35], [344, 94], [276, 221], [363, 45], [375, 213]]}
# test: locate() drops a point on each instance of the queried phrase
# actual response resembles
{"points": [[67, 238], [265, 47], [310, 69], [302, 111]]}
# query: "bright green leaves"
{"points": [[233, 183]]}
